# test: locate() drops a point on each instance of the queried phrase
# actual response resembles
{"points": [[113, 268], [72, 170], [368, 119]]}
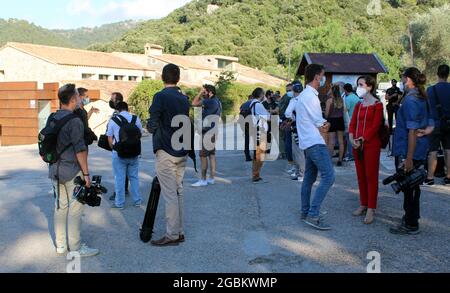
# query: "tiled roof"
{"points": [[76, 57], [106, 87], [346, 63]]}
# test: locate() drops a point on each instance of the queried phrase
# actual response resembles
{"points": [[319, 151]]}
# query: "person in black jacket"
{"points": [[168, 104]]}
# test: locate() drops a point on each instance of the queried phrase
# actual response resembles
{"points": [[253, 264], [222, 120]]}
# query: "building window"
{"points": [[103, 77], [87, 76], [2, 75], [132, 78], [146, 78], [119, 77], [223, 63]]}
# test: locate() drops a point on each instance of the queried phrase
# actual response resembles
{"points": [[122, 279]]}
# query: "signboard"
{"points": [[351, 79]]}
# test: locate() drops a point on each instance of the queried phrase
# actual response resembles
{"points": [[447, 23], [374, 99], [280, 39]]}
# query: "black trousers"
{"points": [[247, 141], [411, 201], [391, 110], [411, 205]]}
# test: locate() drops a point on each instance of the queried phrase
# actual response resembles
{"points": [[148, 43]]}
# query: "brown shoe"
{"points": [[360, 211], [165, 242], [370, 217], [181, 239]]}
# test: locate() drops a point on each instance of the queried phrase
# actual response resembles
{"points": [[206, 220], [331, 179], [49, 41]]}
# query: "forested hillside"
{"points": [[262, 33]]}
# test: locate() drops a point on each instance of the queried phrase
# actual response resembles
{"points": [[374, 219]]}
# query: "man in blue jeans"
{"points": [[124, 167], [311, 127]]}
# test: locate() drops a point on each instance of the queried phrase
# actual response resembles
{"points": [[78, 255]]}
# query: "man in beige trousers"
{"points": [[168, 104]]}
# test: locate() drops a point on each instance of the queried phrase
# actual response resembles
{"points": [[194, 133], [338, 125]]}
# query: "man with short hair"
{"points": [[285, 137], [244, 108], [212, 110], [170, 162], [117, 97], [393, 96], [124, 167], [83, 100], [311, 127], [439, 96], [71, 164]]}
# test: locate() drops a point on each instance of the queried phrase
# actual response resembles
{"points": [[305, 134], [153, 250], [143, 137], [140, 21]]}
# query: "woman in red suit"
{"points": [[363, 131]]}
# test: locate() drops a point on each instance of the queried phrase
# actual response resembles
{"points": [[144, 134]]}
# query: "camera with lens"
{"points": [[89, 195], [406, 181]]}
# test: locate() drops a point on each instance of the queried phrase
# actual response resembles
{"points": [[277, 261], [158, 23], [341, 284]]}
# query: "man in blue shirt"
{"points": [[439, 96], [123, 167], [211, 112], [170, 161]]}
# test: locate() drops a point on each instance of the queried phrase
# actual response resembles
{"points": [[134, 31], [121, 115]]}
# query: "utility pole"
{"points": [[411, 44]]}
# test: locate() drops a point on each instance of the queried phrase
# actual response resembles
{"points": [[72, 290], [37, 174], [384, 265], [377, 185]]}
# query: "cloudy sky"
{"points": [[78, 13]]}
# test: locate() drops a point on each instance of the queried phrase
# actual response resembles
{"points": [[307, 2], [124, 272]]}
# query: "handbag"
{"points": [[104, 143], [384, 133]]}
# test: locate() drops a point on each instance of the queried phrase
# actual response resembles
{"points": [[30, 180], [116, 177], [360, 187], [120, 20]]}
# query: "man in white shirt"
{"points": [[311, 126], [297, 153], [124, 167], [260, 117]]}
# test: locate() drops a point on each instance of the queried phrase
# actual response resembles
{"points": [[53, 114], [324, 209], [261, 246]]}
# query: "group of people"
{"points": [[351, 118], [356, 120]]}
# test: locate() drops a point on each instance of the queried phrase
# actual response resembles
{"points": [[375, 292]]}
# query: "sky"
{"points": [[66, 14]]}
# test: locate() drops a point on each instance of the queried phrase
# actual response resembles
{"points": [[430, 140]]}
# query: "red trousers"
{"points": [[368, 170]]}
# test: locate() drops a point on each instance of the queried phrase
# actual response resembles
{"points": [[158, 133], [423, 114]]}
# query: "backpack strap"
{"points": [[134, 120]]}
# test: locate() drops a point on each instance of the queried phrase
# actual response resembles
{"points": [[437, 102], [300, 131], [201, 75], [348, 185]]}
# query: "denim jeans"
{"points": [[317, 160], [123, 168], [288, 145]]}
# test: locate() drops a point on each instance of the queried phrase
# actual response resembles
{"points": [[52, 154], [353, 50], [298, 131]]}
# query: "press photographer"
{"points": [[62, 145], [414, 124]]}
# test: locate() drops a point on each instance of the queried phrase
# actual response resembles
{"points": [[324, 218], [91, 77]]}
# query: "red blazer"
{"points": [[373, 116]]}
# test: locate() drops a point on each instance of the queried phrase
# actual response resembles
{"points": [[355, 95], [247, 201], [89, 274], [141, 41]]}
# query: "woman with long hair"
{"points": [[414, 124], [335, 115], [363, 132]]}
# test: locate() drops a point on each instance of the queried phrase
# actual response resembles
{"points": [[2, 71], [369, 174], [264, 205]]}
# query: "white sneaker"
{"points": [[85, 251], [61, 250], [211, 181], [300, 179], [200, 183]]}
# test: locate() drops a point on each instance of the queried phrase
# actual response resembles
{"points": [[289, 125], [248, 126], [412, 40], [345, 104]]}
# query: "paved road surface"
{"points": [[233, 226]]}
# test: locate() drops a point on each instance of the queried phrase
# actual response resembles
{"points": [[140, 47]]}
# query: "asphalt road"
{"points": [[233, 226]]}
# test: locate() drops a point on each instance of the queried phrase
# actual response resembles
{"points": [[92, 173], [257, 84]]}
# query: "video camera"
{"points": [[89, 196], [405, 180]]}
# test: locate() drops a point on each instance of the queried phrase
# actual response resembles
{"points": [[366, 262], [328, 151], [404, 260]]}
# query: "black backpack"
{"points": [[247, 111], [129, 144], [48, 138]]}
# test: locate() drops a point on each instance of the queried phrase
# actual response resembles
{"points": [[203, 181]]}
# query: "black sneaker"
{"points": [[317, 223], [259, 181], [112, 197], [404, 229], [428, 182], [339, 164], [447, 181]]}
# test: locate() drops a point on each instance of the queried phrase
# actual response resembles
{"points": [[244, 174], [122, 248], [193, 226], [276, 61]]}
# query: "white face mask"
{"points": [[361, 92]]}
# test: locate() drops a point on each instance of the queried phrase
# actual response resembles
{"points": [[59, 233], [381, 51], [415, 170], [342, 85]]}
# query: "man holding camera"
{"points": [[71, 164]]}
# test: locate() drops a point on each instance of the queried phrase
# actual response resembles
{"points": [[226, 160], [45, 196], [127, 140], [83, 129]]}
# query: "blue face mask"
{"points": [[290, 94], [86, 101]]}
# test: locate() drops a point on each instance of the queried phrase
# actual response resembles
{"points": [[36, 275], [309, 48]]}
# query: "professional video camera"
{"points": [[406, 180], [89, 196]]}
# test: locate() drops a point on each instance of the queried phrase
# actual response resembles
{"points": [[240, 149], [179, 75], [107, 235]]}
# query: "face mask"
{"points": [[290, 94], [86, 101], [323, 81], [361, 92], [112, 105]]}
